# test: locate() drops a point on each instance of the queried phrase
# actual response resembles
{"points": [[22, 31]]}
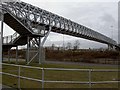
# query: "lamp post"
{"points": [[1, 36], [112, 32], [1, 41]]}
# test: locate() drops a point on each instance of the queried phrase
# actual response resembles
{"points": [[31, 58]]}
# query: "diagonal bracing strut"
{"points": [[41, 46]]}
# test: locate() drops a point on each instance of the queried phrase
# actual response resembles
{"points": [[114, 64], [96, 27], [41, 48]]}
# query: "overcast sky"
{"points": [[99, 15]]}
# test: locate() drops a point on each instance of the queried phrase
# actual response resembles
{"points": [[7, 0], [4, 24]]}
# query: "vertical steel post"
{"points": [[108, 47], [42, 78], [28, 48], [1, 43], [90, 78], [11, 39], [8, 56], [1, 38], [39, 51], [16, 54], [18, 77], [42, 43]]}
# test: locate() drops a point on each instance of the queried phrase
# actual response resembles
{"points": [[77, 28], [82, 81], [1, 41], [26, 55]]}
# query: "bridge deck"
{"points": [[29, 20]]}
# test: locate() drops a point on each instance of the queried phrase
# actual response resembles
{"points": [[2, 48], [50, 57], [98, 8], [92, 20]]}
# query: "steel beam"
{"points": [[39, 51], [47, 34], [110, 47], [28, 49], [17, 55], [1, 37]]}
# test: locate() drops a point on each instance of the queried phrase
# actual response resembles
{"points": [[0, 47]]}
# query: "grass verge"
{"points": [[60, 76]]}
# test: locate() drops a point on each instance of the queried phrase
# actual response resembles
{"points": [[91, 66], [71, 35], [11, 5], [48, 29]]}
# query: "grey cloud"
{"points": [[98, 16], [110, 26], [108, 18]]}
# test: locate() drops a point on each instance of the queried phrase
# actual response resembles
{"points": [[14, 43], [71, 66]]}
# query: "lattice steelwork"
{"points": [[33, 18]]}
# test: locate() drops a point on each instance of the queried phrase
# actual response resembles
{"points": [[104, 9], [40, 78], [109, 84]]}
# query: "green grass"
{"points": [[60, 75]]}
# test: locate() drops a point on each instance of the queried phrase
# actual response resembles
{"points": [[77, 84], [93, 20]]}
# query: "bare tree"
{"points": [[76, 45], [69, 45]]}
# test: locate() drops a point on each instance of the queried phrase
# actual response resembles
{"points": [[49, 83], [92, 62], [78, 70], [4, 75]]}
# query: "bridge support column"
{"points": [[1, 43], [28, 49], [1, 37], [39, 41], [41, 46], [110, 47], [31, 53], [40, 51]]}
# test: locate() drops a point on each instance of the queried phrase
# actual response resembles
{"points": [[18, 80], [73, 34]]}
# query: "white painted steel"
{"points": [[89, 82]]}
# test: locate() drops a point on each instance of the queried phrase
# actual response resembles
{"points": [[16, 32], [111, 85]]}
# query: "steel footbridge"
{"points": [[32, 23]]}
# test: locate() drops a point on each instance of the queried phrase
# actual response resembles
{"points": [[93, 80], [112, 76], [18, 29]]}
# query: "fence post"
{"points": [[11, 39], [18, 77], [42, 78], [90, 78]]}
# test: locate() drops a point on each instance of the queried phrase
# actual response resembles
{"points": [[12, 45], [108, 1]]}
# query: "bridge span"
{"points": [[32, 23]]}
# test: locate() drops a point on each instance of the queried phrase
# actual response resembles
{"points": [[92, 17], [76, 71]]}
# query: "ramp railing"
{"points": [[10, 39]]}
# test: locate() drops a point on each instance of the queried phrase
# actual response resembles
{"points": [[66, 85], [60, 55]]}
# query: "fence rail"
{"points": [[10, 39], [89, 82]]}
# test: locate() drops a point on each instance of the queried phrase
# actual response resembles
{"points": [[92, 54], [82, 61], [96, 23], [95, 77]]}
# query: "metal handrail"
{"points": [[10, 39], [23, 20], [89, 82]]}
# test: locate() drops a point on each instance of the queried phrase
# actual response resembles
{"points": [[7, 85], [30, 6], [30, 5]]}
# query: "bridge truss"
{"points": [[38, 23]]}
